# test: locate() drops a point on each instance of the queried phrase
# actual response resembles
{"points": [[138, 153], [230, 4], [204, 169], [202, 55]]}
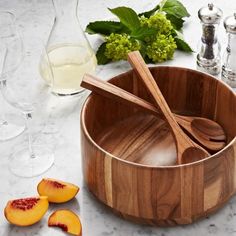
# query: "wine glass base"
{"points": [[68, 94], [23, 165], [9, 130]]}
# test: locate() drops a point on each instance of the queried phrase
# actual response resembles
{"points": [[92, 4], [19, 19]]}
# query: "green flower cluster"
{"points": [[159, 47], [158, 22], [162, 48], [156, 33], [119, 45]]}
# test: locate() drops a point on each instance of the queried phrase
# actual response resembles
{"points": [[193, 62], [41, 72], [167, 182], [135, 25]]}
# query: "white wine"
{"points": [[69, 63]]}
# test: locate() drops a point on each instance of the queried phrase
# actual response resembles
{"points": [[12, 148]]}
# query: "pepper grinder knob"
{"points": [[229, 59], [230, 24], [208, 58], [210, 14]]}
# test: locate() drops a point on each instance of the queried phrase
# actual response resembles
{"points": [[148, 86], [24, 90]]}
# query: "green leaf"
{"points": [[174, 33], [177, 34], [127, 16], [182, 45], [149, 13], [142, 49], [177, 23], [175, 8], [101, 58], [144, 53], [162, 3], [141, 33], [105, 27], [148, 60]]}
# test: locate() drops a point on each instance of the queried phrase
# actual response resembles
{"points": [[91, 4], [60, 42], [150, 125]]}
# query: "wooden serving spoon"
{"points": [[187, 150], [206, 132]]}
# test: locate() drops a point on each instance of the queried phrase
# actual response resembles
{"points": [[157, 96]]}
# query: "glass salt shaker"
{"points": [[208, 58], [229, 58], [68, 49]]}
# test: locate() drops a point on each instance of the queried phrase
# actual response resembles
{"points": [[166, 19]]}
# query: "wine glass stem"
{"points": [[28, 126]]}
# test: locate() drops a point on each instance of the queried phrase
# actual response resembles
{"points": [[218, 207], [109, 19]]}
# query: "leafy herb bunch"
{"points": [[155, 33]]}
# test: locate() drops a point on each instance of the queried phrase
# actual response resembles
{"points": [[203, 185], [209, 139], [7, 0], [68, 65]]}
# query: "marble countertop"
{"points": [[61, 130]]}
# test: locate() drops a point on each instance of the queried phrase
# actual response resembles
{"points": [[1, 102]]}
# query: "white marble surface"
{"points": [[58, 125]]}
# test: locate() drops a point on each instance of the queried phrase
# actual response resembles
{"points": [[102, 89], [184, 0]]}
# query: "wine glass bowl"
{"points": [[25, 90], [10, 126], [23, 87], [10, 36]]}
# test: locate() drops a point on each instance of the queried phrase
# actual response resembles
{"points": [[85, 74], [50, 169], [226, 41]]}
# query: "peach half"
{"points": [[26, 211], [67, 220], [57, 191]]}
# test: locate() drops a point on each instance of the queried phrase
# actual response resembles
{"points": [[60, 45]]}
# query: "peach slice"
{"points": [[26, 211], [57, 191], [67, 220]]}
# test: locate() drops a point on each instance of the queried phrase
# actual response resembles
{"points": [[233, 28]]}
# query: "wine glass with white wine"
{"points": [[25, 90]]}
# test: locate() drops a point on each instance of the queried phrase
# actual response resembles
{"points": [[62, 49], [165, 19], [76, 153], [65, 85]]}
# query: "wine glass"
{"points": [[9, 128], [25, 90]]}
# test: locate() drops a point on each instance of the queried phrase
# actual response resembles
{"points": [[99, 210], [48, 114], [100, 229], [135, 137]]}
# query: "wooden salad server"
{"points": [[187, 150], [206, 132]]}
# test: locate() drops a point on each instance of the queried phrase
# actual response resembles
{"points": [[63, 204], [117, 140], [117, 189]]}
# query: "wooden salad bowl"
{"points": [[129, 156]]}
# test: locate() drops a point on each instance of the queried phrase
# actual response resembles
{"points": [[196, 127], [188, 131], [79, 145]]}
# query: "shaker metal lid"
{"points": [[210, 14], [230, 24]]}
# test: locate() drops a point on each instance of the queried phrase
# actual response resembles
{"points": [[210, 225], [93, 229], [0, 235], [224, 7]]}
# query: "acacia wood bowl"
{"points": [[128, 155]]}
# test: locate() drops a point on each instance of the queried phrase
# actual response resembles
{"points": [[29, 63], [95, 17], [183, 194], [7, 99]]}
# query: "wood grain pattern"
{"points": [[205, 132], [144, 139], [187, 150], [146, 193]]}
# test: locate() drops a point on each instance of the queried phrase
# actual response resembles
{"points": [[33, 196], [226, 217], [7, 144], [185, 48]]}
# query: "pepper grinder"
{"points": [[229, 58], [208, 58]]}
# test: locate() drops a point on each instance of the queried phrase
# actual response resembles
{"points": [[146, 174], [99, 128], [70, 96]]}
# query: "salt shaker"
{"points": [[229, 58], [208, 58]]}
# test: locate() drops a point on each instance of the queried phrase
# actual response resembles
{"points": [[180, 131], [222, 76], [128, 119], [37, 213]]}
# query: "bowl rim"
{"points": [[82, 121]]}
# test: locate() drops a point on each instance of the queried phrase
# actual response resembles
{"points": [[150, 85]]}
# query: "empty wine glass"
{"points": [[8, 34], [25, 90]]}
